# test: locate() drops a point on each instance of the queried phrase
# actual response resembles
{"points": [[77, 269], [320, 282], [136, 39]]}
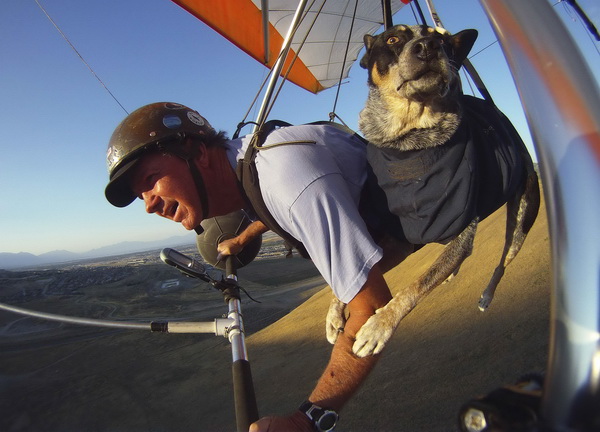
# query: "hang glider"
{"points": [[259, 27]]}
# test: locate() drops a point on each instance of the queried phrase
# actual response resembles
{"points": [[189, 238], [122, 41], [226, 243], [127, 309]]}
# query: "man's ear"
{"points": [[198, 150], [203, 155], [368, 40], [462, 43]]}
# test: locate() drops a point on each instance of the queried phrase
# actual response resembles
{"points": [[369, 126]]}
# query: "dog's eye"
{"points": [[392, 40]]}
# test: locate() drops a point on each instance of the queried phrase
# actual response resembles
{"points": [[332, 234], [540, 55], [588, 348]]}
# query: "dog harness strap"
{"points": [[499, 148]]}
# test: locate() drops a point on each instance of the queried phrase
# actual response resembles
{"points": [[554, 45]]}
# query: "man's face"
{"points": [[165, 184]]}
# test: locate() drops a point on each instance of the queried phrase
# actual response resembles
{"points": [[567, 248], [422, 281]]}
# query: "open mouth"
{"points": [[171, 210]]}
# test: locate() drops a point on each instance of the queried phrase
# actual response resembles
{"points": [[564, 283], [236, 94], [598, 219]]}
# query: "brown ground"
{"points": [[443, 354]]}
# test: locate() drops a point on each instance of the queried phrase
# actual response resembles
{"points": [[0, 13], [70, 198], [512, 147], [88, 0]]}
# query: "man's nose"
{"points": [[151, 201]]}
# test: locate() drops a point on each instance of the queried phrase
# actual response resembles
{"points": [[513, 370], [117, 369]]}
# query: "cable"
{"points": [[332, 114], [420, 11], [588, 24], [483, 49], [80, 56], [296, 55]]}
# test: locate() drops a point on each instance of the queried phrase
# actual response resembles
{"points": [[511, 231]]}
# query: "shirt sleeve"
{"points": [[326, 219]]}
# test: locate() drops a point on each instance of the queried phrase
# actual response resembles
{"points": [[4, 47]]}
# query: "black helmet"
{"points": [[151, 126]]}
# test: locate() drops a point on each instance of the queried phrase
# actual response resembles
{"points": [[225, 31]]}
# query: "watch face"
{"points": [[327, 421]]}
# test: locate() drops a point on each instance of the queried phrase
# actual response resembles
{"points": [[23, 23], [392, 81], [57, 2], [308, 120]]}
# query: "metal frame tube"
{"points": [[278, 66], [561, 100], [264, 4]]}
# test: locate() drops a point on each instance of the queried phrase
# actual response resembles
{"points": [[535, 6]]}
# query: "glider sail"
{"points": [[320, 40]]}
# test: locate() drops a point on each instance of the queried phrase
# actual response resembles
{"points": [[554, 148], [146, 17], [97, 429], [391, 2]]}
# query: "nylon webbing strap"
{"points": [[188, 154], [248, 177]]}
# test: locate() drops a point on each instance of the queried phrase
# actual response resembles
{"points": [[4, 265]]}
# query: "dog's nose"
{"points": [[426, 48]]}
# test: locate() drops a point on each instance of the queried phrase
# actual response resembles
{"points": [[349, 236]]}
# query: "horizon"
{"points": [[107, 246], [59, 118]]}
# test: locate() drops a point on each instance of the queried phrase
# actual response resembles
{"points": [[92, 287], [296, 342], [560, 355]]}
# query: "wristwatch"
{"points": [[323, 419]]}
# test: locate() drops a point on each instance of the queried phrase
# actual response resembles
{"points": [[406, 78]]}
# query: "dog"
{"points": [[441, 161]]}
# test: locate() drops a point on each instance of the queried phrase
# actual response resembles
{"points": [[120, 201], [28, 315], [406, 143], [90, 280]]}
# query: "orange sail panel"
{"points": [[240, 22]]}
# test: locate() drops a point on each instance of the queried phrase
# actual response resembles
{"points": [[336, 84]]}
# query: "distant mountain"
{"points": [[24, 259], [11, 260]]}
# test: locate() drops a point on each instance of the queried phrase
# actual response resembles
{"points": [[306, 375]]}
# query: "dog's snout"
{"points": [[426, 48]]}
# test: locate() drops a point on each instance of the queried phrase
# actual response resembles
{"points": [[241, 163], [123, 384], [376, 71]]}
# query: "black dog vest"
{"points": [[433, 194]]}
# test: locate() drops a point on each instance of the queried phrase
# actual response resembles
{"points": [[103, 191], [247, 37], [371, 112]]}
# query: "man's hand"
{"points": [[297, 422], [235, 245], [231, 246]]}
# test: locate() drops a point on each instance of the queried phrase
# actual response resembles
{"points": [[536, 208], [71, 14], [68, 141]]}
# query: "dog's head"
{"points": [[417, 63]]}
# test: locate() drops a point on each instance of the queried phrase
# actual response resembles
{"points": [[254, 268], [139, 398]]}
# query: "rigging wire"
{"points": [[412, 9], [280, 55], [296, 53], [420, 11], [483, 49], [332, 114], [80, 56], [586, 23]]}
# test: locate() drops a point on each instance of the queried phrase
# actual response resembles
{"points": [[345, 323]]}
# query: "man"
{"points": [[311, 179]]}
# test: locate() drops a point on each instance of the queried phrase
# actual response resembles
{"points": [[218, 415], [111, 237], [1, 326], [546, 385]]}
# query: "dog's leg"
{"points": [[336, 320], [455, 272], [521, 212], [378, 329]]}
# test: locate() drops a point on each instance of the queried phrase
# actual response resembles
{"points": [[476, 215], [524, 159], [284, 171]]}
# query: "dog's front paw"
{"points": [[335, 321], [485, 301], [374, 334]]}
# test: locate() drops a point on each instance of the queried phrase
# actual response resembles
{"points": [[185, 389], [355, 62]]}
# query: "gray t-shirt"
{"points": [[312, 186]]}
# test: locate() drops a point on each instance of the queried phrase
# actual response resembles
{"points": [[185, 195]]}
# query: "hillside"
{"points": [[67, 378], [443, 354]]}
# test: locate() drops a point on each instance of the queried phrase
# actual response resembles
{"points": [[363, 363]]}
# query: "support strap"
{"points": [[188, 155], [248, 177]]}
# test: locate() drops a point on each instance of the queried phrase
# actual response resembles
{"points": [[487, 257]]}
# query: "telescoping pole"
{"points": [[246, 410]]}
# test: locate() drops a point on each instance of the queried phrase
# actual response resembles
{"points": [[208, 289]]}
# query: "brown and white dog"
{"points": [[441, 162]]}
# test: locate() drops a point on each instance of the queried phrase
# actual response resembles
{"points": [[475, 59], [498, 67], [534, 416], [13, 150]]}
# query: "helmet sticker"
{"points": [[172, 121], [112, 157], [195, 118], [174, 106]]}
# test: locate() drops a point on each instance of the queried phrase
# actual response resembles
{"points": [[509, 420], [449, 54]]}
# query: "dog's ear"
{"points": [[462, 43], [368, 40]]}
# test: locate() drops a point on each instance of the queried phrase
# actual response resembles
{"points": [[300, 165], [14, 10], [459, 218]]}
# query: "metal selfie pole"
{"points": [[232, 327], [246, 410]]}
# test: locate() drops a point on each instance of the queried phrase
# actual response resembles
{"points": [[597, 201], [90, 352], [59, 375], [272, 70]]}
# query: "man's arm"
{"points": [[345, 371], [235, 245]]}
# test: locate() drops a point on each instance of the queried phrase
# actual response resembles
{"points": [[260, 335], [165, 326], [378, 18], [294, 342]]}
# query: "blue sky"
{"points": [[56, 118]]}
